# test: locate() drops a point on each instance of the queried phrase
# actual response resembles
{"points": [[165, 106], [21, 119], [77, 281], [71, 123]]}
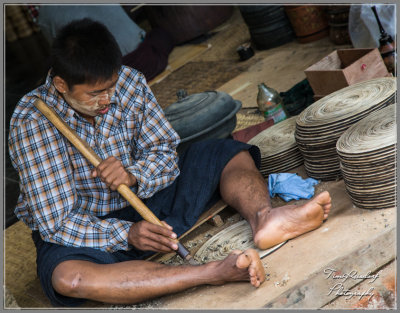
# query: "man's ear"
{"points": [[60, 84]]}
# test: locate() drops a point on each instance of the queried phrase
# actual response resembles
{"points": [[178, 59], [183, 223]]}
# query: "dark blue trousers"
{"points": [[180, 205]]}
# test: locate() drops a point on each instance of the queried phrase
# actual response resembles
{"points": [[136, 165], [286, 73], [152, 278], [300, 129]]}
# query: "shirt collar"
{"points": [[54, 99]]}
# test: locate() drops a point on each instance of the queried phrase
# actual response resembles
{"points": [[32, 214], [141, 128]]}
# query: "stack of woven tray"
{"points": [[367, 154], [279, 151], [320, 125]]}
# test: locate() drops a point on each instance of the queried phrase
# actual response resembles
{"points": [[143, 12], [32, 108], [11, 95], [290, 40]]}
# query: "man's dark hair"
{"points": [[85, 52]]}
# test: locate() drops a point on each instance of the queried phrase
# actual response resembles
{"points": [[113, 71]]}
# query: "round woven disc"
{"points": [[376, 131], [367, 154], [319, 126], [277, 138], [347, 102], [237, 236], [279, 151]]}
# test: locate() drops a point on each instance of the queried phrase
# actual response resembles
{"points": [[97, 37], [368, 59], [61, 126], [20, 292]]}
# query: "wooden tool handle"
{"points": [[94, 159]]}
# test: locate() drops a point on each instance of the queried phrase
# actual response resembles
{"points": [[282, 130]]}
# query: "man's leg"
{"points": [[136, 281], [243, 188]]}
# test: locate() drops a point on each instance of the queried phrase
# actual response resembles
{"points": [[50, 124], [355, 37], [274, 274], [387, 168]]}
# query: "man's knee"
{"points": [[67, 278], [242, 160]]}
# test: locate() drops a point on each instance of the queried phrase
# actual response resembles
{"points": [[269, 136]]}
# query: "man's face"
{"points": [[91, 100]]}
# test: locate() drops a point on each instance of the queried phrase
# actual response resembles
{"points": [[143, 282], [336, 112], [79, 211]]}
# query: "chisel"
{"points": [[95, 160]]}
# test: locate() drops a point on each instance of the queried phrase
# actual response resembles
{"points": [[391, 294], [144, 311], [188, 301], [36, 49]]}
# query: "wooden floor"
{"points": [[351, 240]]}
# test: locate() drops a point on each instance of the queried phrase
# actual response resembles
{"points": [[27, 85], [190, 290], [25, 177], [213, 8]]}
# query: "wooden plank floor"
{"points": [[280, 68], [351, 239]]}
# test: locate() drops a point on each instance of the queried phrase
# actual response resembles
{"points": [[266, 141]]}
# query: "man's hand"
{"points": [[113, 174], [146, 236]]}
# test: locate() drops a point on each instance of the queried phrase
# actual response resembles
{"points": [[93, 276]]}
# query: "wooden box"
{"points": [[343, 68]]}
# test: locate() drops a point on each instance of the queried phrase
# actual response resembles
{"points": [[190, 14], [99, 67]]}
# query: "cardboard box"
{"points": [[343, 68]]}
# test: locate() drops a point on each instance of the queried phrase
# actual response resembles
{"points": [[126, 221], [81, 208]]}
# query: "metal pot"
{"points": [[201, 116]]}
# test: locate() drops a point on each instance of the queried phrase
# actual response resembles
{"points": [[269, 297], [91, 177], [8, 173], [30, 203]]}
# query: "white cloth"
{"points": [[363, 27]]}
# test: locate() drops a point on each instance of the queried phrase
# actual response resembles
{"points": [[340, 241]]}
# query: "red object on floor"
{"points": [[246, 134]]}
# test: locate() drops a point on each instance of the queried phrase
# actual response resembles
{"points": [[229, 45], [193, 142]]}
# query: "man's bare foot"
{"points": [[241, 266], [289, 221]]}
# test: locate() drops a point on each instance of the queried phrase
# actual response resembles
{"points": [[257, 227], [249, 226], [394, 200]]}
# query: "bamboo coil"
{"points": [[367, 155], [320, 125], [238, 236], [374, 132], [347, 102], [277, 144]]}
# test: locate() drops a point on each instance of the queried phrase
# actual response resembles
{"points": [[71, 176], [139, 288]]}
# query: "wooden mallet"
{"points": [[95, 160]]}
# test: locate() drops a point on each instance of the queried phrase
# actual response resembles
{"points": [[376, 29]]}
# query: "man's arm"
{"points": [[40, 154], [155, 143], [143, 235]]}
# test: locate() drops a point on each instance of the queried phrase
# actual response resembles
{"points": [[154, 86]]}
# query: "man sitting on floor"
{"points": [[90, 243]]}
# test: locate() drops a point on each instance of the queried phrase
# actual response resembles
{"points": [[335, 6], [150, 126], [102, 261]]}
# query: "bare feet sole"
{"points": [[290, 221]]}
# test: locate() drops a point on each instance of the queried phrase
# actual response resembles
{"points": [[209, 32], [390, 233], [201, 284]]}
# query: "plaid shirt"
{"points": [[58, 196]]}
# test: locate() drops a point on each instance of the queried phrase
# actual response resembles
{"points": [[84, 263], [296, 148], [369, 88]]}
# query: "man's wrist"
{"points": [[132, 180]]}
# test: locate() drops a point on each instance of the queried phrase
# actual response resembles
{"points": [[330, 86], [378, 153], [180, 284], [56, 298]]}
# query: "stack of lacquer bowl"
{"points": [[279, 151], [367, 153], [320, 125]]}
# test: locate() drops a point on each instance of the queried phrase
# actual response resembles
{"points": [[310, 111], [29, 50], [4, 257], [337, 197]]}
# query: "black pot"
{"points": [[186, 22], [264, 17], [267, 40], [268, 25], [202, 116]]}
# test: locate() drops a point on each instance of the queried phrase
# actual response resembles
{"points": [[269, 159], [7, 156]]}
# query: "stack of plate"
{"points": [[279, 151], [367, 153], [320, 125]]}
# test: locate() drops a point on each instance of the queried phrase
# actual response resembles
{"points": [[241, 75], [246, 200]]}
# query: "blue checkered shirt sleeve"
{"points": [[155, 159], [47, 186], [58, 195]]}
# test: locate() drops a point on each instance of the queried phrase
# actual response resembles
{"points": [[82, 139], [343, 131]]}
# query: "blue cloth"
{"points": [[180, 205], [290, 186]]}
